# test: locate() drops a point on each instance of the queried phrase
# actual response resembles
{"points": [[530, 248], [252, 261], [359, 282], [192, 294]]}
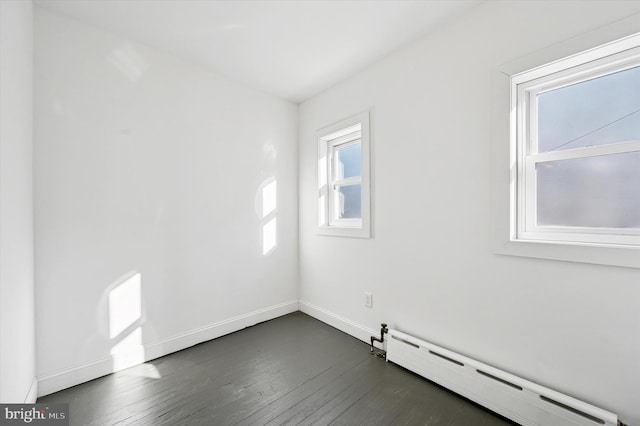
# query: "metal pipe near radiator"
{"points": [[377, 351]]}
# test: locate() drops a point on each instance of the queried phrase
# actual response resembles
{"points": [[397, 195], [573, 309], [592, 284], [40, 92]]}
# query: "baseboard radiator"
{"points": [[510, 396]]}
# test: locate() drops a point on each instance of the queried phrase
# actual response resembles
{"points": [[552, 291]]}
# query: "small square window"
{"points": [[343, 178]]}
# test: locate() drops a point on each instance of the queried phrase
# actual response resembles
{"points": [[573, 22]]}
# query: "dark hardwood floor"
{"points": [[290, 370]]}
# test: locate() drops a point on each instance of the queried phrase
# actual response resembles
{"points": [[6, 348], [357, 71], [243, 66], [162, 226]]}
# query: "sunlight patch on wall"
{"points": [[269, 193], [125, 305], [269, 236], [125, 323], [129, 351], [267, 211]]}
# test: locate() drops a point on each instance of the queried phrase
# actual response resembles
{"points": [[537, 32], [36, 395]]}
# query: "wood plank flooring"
{"points": [[290, 370]]}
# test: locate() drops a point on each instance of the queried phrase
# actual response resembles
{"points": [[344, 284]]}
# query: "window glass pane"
{"points": [[601, 192], [348, 161], [348, 202], [600, 111]]}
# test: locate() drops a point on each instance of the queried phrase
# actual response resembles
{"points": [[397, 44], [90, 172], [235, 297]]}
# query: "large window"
{"points": [[343, 178], [578, 150], [566, 150]]}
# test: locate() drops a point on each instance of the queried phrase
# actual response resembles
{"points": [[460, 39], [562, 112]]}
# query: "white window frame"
{"points": [[515, 154], [330, 139], [526, 87]]}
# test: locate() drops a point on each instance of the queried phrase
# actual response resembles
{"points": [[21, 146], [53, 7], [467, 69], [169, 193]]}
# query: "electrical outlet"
{"points": [[368, 300]]}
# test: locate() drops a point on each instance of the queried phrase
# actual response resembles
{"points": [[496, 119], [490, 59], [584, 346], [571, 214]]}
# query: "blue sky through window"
{"points": [[600, 111]]}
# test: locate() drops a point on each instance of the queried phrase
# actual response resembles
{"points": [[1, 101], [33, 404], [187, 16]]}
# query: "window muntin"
{"points": [[343, 178], [578, 145]]}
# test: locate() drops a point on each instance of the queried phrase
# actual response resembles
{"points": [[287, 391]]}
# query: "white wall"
{"points": [[145, 164], [570, 326], [17, 341]]}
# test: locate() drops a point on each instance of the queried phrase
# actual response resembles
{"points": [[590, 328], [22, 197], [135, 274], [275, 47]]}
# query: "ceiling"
{"points": [[291, 49]]}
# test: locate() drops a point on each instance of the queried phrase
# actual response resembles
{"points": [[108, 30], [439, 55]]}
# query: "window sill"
{"points": [[602, 254], [343, 232]]}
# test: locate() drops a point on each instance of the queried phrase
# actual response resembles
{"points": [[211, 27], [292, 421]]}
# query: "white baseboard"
{"points": [[221, 328], [341, 323], [32, 395], [54, 382]]}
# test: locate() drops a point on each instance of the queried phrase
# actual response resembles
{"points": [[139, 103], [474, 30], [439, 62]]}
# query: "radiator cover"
{"points": [[510, 396]]}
